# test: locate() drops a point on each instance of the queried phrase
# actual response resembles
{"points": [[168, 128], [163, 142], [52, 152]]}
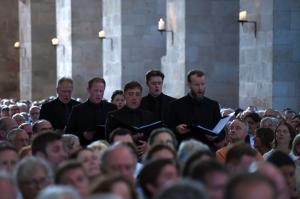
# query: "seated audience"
{"points": [[263, 140], [18, 138], [58, 192], [8, 157], [8, 188], [71, 143], [163, 136]]}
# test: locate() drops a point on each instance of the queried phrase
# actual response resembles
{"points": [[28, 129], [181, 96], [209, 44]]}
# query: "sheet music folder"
{"points": [[216, 130]]}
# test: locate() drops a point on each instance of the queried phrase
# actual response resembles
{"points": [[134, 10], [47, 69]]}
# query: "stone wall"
{"points": [[9, 57]]}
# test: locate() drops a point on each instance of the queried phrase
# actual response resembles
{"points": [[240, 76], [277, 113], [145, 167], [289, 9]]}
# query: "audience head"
{"points": [[8, 188], [196, 83], [32, 175], [287, 166], [119, 185], [64, 89], [121, 135], [253, 120], [8, 156], [41, 126], [4, 111], [263, 139], [71, 143], [118, 98], [157, 174], [162, 136], [72, 173], [187, 189], [58, 192], [296, 145], [239, 157], [34, 113], [19, 118], [238, 131], [49, 146], [269, 122], [18, 137], [13, 109], [133, 94], [119, 159], [28, 128], [96, 87], [212, 174], [284, 135], [188, 147], [154, 80], [6, 124], [249, 186], [160, 151], [90, 162]]}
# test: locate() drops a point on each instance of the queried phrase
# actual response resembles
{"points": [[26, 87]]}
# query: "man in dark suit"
{"points": [[156, 101], [131, 114], [58, 111], [194, 108], [87, 118]]}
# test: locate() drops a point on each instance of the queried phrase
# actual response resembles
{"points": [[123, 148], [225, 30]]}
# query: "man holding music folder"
{"points": [[140, 122], [193, 110]]}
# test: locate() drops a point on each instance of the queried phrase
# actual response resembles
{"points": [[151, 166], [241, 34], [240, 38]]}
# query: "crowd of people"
{"points": [[143, 147]]}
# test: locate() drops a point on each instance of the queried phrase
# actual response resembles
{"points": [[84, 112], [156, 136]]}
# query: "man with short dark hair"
{"points": [[86, 118], [194, 108], [49, 146], [131, 114], [156, 101], [8, 156], [58, 111], [6, 124]]}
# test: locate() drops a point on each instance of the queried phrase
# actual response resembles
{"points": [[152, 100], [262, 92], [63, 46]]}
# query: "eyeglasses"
{"points": [[42, 181]]}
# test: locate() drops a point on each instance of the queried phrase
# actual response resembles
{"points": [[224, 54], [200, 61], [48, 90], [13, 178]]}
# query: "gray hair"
{"points": [[273, 120], [69, 140], [190, 146], [12, 134], [187, 189], [29, 165], [58, 192]]}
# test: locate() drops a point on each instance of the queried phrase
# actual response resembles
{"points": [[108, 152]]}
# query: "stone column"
{"points": [[137, 46], [9, 62], [37, 56], [86, 47], [206, 38], [269, 62]]}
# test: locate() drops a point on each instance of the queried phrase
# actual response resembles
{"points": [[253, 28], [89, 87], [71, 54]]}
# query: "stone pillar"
{"points": [[86, 47], [137, 45], [37, 56], [9, 61], [269, 62], [206, 38]]}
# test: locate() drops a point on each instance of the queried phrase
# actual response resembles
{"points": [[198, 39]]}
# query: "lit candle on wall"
{"points": [[17, 44], [54, 41], [161, 24], [243, 15], [101, 34]]}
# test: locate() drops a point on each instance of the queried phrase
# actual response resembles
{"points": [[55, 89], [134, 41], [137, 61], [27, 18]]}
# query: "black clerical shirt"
{"points": [[57, 113]]}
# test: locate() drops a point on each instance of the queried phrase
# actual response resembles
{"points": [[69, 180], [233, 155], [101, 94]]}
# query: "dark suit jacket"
{"points": [[187, 110], [137, 117], [86, 117], [57, 113], [157, 105]]}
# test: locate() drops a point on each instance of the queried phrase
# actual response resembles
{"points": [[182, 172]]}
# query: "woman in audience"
{"points": [[284, 136], [90, 162]]}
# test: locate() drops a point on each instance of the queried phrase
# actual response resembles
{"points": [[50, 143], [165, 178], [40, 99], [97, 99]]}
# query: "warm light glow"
{"points": [[102, 34], [54, 41], [243, 15], [17, 44], [161, 24]]}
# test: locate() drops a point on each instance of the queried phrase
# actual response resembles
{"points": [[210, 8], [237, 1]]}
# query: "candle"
{"points": [[243, 15], [54, 41], [161, 24], [102, 34], [17, 44]]}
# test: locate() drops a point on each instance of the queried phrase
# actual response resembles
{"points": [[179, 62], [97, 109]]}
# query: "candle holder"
{"points": [[243, 19], [55, 43], [162, 28], [101, 36], [18, 46]]}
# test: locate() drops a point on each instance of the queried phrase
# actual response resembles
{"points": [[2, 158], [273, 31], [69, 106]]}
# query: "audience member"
{"points": [[163, 136], [160, 151], [18, 138], [8, 157], [40, 126], [71, 143], [6, 124], [188, 147], [34, 113], [8, 188], [19, 118], [263, 140], [58, 192]]}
